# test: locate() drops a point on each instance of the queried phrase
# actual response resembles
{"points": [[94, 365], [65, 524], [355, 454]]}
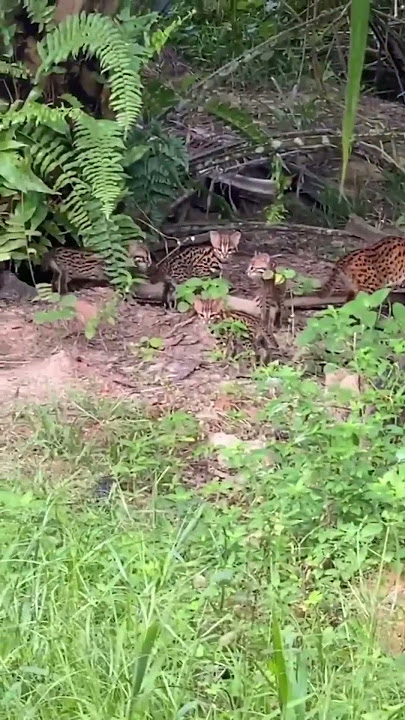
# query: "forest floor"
{"points": [[40, 361]]}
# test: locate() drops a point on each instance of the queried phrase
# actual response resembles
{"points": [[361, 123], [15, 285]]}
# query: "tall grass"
{"points": [[163, 603]]}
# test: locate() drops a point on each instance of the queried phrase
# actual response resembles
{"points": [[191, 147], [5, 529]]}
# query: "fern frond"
{"points": [[14, 69], [106, 238], [99, 157], [97, 35], [54, 158], [37, 114], [49, 152], [17, 232], [40, 12]]}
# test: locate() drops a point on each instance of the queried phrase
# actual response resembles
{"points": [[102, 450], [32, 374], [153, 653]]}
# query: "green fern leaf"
{"points": [[37, 114], [14, 69], [98, 36], [40, 12], [100, 150]]}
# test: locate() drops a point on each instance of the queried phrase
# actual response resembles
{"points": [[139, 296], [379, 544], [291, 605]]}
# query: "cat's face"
{"points": [[224, 244], [140, 255], [208, 310], [260, 264]]}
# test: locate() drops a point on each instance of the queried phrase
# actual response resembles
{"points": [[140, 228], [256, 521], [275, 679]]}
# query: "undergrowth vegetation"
{"points": [[220, 31], [129, 589], [69, 152]]}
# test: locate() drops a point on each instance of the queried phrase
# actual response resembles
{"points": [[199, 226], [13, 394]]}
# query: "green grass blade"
{"points": [[279, 666], [142, 662], [359, 18]]}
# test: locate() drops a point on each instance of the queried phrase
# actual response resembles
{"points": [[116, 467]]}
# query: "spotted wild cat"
{"points": [[73, 264], [250, 333], [262, 269], [195, 261], [381, 265]]}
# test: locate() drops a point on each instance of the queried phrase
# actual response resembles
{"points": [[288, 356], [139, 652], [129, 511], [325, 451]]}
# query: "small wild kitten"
{"points": [[262, 341], [72, 264], [262, 269], [195, 261], [379, 266]]}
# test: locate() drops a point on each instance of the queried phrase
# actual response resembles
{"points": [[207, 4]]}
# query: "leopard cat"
{"points": [[379, 266], [195, 261], [256, 337], [73, 264], [271, 299]]}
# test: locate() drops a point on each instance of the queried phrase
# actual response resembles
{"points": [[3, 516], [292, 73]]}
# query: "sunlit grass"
{"points": [[158, 603]]}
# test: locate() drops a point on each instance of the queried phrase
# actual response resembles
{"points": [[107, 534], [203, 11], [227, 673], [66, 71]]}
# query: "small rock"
{"points": [[14, 288], [223, 440], [343, 380]]}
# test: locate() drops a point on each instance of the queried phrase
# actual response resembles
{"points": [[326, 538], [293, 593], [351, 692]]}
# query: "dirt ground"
{"points": [[41, 362]]}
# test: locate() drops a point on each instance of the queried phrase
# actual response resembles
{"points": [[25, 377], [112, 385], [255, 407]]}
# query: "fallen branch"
{"points": [[360, 228], [198, 233], [154, 293]]}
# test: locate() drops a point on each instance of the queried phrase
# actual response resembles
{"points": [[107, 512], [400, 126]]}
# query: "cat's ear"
{"points": [[235, 238], [198, 305], [217, 305], [215, 238]]}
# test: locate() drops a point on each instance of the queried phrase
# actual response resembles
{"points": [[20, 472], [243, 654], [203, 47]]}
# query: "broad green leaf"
{"points": [[215, 292], [398, 311], [288, 273], [183, 306], [28, 206], [377, 298], [71, 100], [91, 328], [156, 343], [7, 246], [18, 175], [359, 18]]}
